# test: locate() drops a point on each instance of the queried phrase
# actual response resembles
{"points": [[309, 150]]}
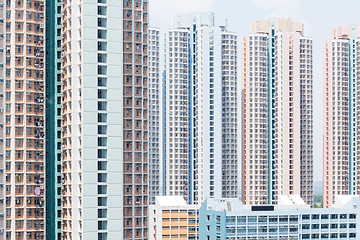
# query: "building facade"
{"points": [[228, 219], [25, 119], [277, 110], [53, 120], [216, 113], [201, 108], [177, 154], [172, 218], [157, 164], [104, 119], [341, 61], [3, 170]]}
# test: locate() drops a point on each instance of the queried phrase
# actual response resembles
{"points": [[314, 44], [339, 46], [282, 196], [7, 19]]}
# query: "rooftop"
{"points": [[170, 201]]}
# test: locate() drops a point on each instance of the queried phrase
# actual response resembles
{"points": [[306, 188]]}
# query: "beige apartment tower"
{"points": [[341, 66], [25, 125], [277, 110]]}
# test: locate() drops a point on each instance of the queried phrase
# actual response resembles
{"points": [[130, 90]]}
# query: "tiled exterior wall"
{"points": [[25, 119]]}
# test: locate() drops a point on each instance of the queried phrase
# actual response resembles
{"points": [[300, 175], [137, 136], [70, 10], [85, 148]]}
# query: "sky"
{"points": [[318, 16]]}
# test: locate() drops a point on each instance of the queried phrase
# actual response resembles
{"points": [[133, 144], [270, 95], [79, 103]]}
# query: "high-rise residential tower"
{"points": [[3, 206], [201, 109], [341, 67], [277, 110], [104, 119], [25, 125], [216, 114], [156, 119]]}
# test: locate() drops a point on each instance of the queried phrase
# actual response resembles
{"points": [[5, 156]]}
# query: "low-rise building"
{"points": [[290, 219], [172, 218]]}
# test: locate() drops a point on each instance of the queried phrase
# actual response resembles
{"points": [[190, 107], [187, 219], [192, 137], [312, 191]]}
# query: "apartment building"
{"points": [[172, 218], [228, 219], [277, 110], [291, 218], [177, 154], [157, 164], [104, 119], [53, 120], [2, 122], [201, 108], [341, 76], [216, 113], [25, 125]]}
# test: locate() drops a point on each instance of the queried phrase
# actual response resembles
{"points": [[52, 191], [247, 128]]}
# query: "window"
{"points": [[102, 94], [103, 236], [102, 189], [102, 70], [102, 225], [102, 46], [102, 10], [102, 153], [102, 117], [102, 129], [102, 23], [102, 82], [102, 141], [102, 58], [102, 165], [102, 201]]}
